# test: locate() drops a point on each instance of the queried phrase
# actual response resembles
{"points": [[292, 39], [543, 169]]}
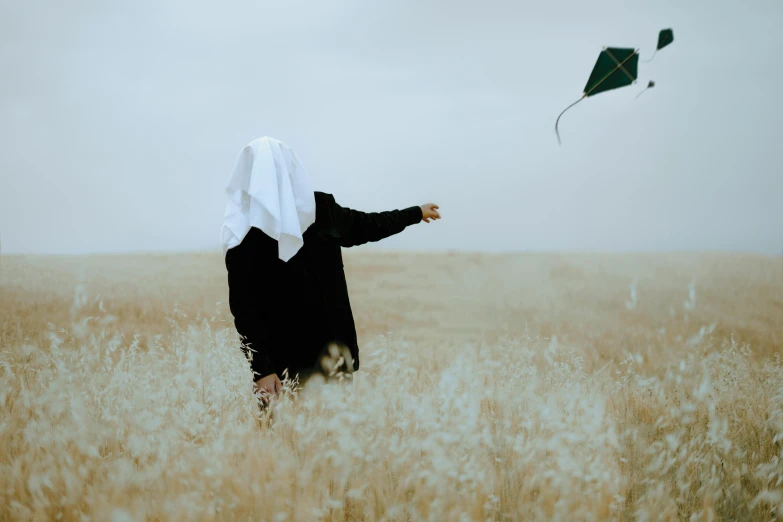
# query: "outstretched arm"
{"points": [[357, 228]]}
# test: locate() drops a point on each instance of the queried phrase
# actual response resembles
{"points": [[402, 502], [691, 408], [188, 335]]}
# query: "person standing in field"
{"points": [[282, 244]]}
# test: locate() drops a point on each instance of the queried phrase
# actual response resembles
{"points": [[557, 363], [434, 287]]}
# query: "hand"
{"points": [[268, 387], [429, 211]]}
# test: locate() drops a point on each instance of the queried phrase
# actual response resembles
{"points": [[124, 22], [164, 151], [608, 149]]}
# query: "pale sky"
{"points": [[120, 121]]}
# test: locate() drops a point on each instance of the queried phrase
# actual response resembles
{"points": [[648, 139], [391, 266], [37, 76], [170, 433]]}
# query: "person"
{"points": [[282, 244]]}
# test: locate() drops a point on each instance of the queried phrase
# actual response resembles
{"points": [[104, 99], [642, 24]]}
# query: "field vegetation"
{"points": [[492, 387]]}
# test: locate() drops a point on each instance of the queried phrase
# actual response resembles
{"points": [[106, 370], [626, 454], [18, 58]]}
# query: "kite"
{"points": [[649, 86], [665, 37], [615, 67]]}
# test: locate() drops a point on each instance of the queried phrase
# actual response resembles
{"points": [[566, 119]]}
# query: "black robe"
{"points": [[288, 311]]}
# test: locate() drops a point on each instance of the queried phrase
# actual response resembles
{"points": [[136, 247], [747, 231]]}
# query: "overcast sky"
{"points": [[120, 121]]}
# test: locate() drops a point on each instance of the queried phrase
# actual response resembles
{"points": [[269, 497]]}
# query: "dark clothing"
{"points": [[288, 312]]}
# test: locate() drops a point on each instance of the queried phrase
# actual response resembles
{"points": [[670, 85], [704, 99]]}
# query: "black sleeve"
{"points": [[357, 228], [245, 264], [254, 344]]}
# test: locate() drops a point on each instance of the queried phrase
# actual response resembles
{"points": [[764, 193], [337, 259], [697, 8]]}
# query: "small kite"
{"points": [[649, 86], [665, 37], [615, 67]]}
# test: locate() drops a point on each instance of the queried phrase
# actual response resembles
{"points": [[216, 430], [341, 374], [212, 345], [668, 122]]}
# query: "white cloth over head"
{"points": [[269, 190]]}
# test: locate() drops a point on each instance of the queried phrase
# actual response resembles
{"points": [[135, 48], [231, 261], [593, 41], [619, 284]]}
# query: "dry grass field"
{"points": [[492, 387]]}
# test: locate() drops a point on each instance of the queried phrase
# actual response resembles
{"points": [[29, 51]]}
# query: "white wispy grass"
{"points": [[100, 426]]}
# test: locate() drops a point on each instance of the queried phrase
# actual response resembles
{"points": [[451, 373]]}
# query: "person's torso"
{"points": [[305, 300]]}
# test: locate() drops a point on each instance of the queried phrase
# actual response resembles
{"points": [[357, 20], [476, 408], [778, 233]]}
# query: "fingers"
{"points": [[263, 395], [268, 387], [266, 396], [430, 212], [273, 388]]}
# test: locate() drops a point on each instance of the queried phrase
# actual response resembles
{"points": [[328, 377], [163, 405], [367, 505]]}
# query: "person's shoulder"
{"points": [[324, 207], [324, 197], [324, 203]]}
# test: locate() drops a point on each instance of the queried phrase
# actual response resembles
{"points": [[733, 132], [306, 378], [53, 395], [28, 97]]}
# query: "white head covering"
{"points": [[269, 190]]}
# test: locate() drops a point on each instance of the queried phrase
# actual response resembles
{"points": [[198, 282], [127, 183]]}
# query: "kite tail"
{"points": [[561, 114], [651, 57], [644, 91]]}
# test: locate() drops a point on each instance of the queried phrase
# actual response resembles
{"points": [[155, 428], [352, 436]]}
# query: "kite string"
{"points": [[564, 110], [651, 57]]}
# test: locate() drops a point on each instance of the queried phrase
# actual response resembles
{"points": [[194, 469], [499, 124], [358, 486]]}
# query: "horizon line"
{"points": [[415, 251]]}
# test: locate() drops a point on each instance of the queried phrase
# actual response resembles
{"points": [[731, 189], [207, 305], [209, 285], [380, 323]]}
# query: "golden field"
{"points": [[492, 387]]}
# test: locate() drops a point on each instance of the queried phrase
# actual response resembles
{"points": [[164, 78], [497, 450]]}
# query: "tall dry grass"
{"points": [[531, 387]]}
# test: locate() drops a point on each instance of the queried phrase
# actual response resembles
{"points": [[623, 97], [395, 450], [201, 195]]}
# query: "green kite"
{"points": [[649, 86], [665, 37], [615, 67]]}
